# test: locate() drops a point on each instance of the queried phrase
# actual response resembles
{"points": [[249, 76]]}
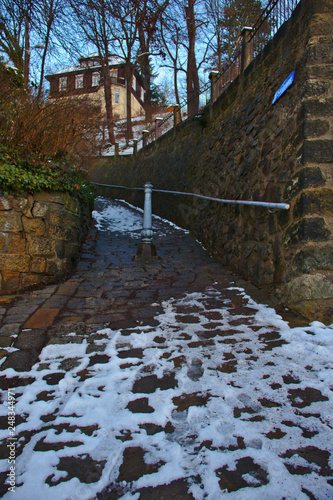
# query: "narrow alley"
{"points": [[173, 379]]}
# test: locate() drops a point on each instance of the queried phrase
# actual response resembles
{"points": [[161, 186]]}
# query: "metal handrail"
{"points": [[267, 204]]}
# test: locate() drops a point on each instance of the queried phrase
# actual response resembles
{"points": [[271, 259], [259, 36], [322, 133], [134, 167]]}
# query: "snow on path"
{"points": [[226, 395]]}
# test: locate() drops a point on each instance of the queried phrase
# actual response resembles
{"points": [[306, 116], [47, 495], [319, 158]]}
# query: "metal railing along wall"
{"points": [[267, 204], [147, 250]]}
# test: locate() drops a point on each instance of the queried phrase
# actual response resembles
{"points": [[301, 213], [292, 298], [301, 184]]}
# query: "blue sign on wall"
{"points": [[286, 84]]}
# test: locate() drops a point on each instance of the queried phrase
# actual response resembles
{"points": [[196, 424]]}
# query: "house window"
{"points": [[62, 83], [79, 81], [95, 79], [116, 96]]}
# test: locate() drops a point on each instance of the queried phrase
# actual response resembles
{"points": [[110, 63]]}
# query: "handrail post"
{"points": [[214, 85], [145, 134], [158, 130], [177, 118], [247, 48], [147, 232], [146, 250], [135, 146]]}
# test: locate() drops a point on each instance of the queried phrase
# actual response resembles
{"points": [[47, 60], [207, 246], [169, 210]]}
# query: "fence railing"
{"points": [[272, 18]]}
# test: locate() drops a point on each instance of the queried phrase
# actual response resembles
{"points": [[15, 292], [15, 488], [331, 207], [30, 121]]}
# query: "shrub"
{"points": [[20, 173], [42, 139]]}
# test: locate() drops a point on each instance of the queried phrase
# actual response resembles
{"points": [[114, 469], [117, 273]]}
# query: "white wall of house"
{"points": [[118, 102]]}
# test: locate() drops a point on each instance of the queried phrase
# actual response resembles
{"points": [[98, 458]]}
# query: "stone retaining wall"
{"points": [[244, 147], [40, 238]]}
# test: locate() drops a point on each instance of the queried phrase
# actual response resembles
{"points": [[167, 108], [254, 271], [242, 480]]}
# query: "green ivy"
{"points": [[20, 173]]}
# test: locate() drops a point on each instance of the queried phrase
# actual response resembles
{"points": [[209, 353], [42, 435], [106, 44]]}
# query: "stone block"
{"points": [[316, 88], [320, 53], [313, 258], [30, 279], [57, 267], [38, 264], [40, 209], [317, 201], [10, 221], [10, 280], [16, 243], [283, 218], [64, 218], [308, 177], [3, 241], [321, 24], [316, 107], [309, 287], [44, 196], [38, 245], [309, 229], [63, 233], [72, 250], [321, 71], [318, 151], [315, 128], [72, 204], [21, 203], [33, 226], [15, 263], [6, 202]]}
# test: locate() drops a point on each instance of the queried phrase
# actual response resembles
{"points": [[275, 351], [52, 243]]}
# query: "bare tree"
{"points": [[93, 17], [14, 31], [184, 37], [149, 40], [46, 14], [172, 37], [192, 77], [128, 16], [215, 15]]}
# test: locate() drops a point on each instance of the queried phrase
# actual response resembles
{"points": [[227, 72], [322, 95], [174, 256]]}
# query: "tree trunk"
{"points": [[26, 50], [175, 82], [145, 72], [129, 75], [147, 87], [192, 78], [108, 104], [46, 46]]}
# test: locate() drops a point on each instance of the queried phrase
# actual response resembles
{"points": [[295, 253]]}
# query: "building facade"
{"points": [[85, 79]]}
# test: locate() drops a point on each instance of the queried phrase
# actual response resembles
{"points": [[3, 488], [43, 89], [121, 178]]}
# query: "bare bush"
{"points": [[44, 127]]}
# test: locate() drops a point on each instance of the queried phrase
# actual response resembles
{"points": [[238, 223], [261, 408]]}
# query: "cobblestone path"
{"points": [[165, 380]]}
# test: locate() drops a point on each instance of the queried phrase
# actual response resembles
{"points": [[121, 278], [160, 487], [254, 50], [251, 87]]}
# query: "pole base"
{"points": [[147, 253]]}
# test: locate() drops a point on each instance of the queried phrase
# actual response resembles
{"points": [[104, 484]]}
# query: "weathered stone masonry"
{"points": [[246, 148], [40, 237]]}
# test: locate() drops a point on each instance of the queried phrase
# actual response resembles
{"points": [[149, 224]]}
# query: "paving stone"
{"points": [[42, 318], [33, 340], [6, 341], [10, 329], [56, 301], [20, 361]]}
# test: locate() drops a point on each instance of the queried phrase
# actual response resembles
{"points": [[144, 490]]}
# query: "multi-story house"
{"points": [[85, 79]]}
